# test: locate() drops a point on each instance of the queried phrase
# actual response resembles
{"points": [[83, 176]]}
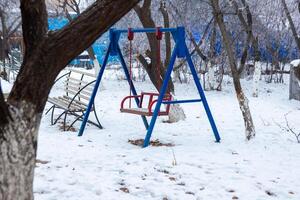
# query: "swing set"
{"points": [[153, 105]]}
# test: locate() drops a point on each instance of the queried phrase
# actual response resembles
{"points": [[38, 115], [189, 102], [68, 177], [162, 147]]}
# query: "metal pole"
{"points": [[202, 95], [91, 102], [133, 90], [160, 97]]}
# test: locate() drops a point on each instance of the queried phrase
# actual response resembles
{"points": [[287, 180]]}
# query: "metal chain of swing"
{"points": [[130, 36], [158, 35]]}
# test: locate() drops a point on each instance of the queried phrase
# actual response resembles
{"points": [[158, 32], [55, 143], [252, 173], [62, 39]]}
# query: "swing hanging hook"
{"points": [[130, 34], [158, 33]]}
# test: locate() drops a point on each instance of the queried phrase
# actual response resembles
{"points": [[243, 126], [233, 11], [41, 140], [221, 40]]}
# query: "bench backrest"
{"points": [[80, 84]]}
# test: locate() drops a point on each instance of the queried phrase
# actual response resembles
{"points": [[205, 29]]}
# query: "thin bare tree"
{"points": [[242, 99], [156, 68]]}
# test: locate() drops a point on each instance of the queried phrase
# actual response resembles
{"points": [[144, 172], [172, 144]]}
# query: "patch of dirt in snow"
{"points": [[154, 143], [66, 127]]}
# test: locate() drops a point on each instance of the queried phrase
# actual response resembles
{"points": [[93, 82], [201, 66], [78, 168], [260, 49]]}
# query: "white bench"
{"points": [[78, 89]]}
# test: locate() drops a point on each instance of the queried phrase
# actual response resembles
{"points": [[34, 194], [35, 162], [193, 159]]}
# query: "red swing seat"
{"points": [[152, 97], [146, 111]]}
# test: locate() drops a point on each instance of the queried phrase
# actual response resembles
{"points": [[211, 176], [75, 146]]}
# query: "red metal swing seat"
{"points": [[151, 99]]}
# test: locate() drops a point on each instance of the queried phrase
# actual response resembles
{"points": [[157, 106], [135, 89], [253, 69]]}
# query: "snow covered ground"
{"points": [[103, 165]]}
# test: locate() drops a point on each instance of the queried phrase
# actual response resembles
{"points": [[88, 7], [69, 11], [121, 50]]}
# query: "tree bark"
{"points": [[18, 145], [292, 25], [176, 113], [242, 99], [154, 69], [211, 79], [247, 25], [256, 78], [46, 54], [166, 19]]}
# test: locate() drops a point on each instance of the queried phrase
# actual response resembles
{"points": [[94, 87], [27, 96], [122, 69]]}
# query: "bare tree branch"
{"points": [[288, 128]]}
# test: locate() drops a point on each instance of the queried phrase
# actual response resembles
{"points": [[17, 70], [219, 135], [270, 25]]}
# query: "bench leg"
{"points": [[52, 114], [49, 110], [77, 118], [80, 117], [59, 117], [96, 116], [65, 119]]}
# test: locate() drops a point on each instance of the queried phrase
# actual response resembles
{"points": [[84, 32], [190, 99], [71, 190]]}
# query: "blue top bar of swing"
{"points": [[145, 30]]}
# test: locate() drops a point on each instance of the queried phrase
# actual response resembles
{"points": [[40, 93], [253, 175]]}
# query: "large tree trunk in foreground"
{"points": [[242, 99], [18, 145], [46, 54]]}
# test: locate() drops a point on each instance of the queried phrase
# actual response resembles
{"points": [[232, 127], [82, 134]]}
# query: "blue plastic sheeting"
{"points": [[282, 47], [100, 45]]}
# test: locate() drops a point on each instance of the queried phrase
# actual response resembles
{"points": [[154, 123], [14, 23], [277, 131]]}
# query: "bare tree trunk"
{"points": [[256, 78], [257, 68], [18, 144], [293, 28], [4, 45], [242, 99], [144, 13], [154, 69], [247, 25], [166, 19], [211, 79], [176, 112], [46, 54]]}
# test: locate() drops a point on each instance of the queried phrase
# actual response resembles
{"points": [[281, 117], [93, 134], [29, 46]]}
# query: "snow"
{"points": [[5, 85], [103, 165], [295, 63]]}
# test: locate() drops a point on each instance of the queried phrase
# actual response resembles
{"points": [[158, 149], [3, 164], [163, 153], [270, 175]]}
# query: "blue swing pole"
{"points": [[91, 102], [133, 90], [160, 97], [202, 95]]}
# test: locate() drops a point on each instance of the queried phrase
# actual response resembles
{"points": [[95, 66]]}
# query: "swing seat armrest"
{"points": [[150, 94], [151, 104], [129, 97]]}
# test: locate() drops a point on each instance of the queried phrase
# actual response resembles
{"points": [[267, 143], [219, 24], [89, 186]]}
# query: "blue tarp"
{"points": [[100, 46]]}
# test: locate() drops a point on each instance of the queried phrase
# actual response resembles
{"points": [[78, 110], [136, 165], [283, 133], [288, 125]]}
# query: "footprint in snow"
{"points": [[230, 190]]}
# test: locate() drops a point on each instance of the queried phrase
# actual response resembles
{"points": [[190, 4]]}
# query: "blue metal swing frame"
{"points": [[180, 51]]}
